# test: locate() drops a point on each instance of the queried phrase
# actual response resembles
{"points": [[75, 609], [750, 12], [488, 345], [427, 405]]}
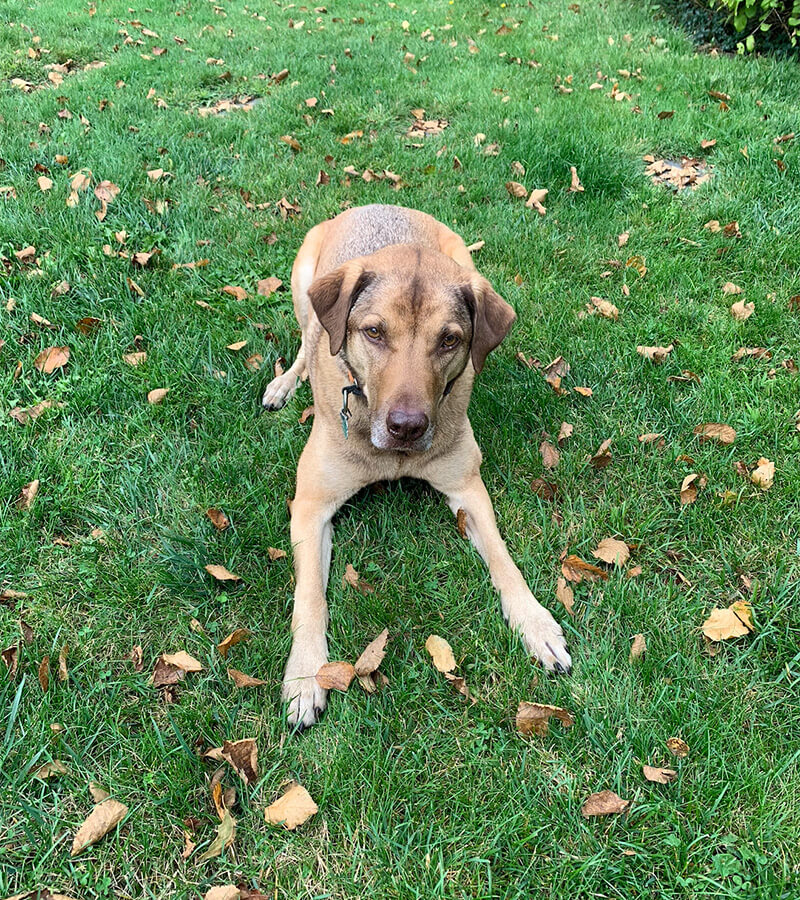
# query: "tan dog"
{"points": [[396, 322]]}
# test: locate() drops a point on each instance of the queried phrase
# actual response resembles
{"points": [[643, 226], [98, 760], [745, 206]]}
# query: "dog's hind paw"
{"points": [[280, 390]]}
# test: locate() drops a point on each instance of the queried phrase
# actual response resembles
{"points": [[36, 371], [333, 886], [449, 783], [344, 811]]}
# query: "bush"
{"points": [[775, 20]]}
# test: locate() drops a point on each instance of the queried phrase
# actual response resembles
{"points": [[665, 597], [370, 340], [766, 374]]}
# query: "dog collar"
{"points": [[347, 390]]}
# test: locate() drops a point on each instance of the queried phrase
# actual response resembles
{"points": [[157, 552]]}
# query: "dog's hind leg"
{"points": [[282, 388]]}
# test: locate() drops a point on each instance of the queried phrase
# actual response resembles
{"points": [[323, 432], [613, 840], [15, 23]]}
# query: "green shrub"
{"points": [[772, 18]]}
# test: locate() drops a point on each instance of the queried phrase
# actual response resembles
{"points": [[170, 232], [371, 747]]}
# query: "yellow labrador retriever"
{"points": [[396, 322]]}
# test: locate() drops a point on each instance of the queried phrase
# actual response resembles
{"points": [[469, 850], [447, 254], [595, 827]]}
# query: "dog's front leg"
{"points": [[541, 634]]}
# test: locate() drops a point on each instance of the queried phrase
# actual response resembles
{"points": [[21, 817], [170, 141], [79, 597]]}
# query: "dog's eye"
{"points": [[373, 333], [449, 341]]}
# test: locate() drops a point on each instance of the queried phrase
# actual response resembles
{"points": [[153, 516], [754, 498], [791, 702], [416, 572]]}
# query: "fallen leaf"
{"points": [[136, 358], [533, 718], [690, 486], [564, 433], [742, 311], [137, 658], [226, 834], [373, 655], [755, 352], [638, 647], [218, 518], [44, 183], [733, 622], [602, 457], [604, 308], [43, 673], [63, 672], [550, 455], [730, 288], [103, 818], [165, 674], [515, 189], [536, 200], [565, 595], [575, 183], [223, 891], [554, 372], [293, 808], [28, 494], [604, 803], [234, 638], [243, 757], [353, 578], [10, 657], [545, 490], [26, 255], [656, 355], [622, 239], [764, 474], [612, 551], [659, 776], [678, 747], [182, 660], [88, 325], [583, 391], [50, 770], [106, 191], [239, 293], [275, 554], [51, 359], [578, 570], [221, 573], [241, 680], [237, 345], [650, 437], [711, 431], [336, 676], [441, 652], [157, 395]]}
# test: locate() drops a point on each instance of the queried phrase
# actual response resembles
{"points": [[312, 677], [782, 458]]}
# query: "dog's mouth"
{"points": [[381, 439]]}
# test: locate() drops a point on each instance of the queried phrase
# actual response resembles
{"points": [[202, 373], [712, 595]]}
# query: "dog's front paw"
{"points": [[279, 391], [305, 697], [543, 638]]}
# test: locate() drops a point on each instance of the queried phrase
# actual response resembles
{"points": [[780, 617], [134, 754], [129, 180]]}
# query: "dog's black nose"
{"points": [[406, 424]]}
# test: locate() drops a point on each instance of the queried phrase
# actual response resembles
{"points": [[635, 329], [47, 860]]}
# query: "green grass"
{"points": [[420, 795]]}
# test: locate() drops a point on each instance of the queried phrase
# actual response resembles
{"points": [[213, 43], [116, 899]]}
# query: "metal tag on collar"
{"points": [[344, 412]]}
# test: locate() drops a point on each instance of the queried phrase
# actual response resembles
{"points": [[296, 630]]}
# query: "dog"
{"points": [[396, 322]]}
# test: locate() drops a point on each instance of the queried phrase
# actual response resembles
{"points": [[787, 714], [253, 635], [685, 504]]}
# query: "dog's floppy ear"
{"points": [[333, 296], [492, 318]]}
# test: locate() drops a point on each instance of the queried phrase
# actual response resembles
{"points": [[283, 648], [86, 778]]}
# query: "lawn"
{"points": [[420, 793]]}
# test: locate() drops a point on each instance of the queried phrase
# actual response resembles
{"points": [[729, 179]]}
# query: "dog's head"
{"points": [[409, 320]]}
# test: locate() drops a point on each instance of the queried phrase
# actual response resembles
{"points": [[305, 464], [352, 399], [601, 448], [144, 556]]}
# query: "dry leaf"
{"points": [[237, 345], [28, 494], [373, 655], [564, 433], [226, 833], [234, 638], [730, 288], [183, 661], [239, 293], [275, 553], [690, 486], [715, 431], [10, 657], [612, 551], [583, 391], [764, 474], [63, 672], [336, 676], [533, 718], [441, 652], [638, 647], [577, 570], [742, 311], [515, 189], [223, 891], [103, 818], [352, 577], [50, 770], [622, 239], [221, 573], [605, 803], [656, 355], [550, 456], [724, 624], [106, 191], [218, 518], [244, 681], [678, 747], [43, 673], [242, 756], [137, 658], [157, 395], [545, 490], [565, 595], [292, 809], [602, 457], [650, 437], [554, 372], [659, 776], [605, 308], [136, 358], [51, 359], [536, 201]]}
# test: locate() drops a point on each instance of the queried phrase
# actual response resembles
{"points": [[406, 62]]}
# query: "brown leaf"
{"points": [[157, 395], [43, 673], [554, 372], [517, 190], [182, 661], [659, 776], [755, 352], [715, 431], [545, 490], [724, 624], [441, 652], [221, 573], [243, 757], [550, 455], [536, 201], [241, 680], [656, 355], [742, 311], [226, 834], [238, 293], [103, 818], [533, 718], [267, 286], [730, 288], [352, 577], [576, 569], [26, 255], [221, 892], [602, 457], [32, 412], [564, 433], [575, 186], [373, 655], [690, 486], [10, 657], [51, 359], [764, 474], [136, 358], [50, 770], [638, 647], [678, 747], [650, 437], [237, 345], [565, 595], [583, 391], [604, 308], [275, 553], [165, 674], [136, 657], [218, 518], [612, 551], [293, 808], [106, 191], [622, 239], [234, 638], [336, 676], [605, 803], [253, 363], [28, 494]]}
